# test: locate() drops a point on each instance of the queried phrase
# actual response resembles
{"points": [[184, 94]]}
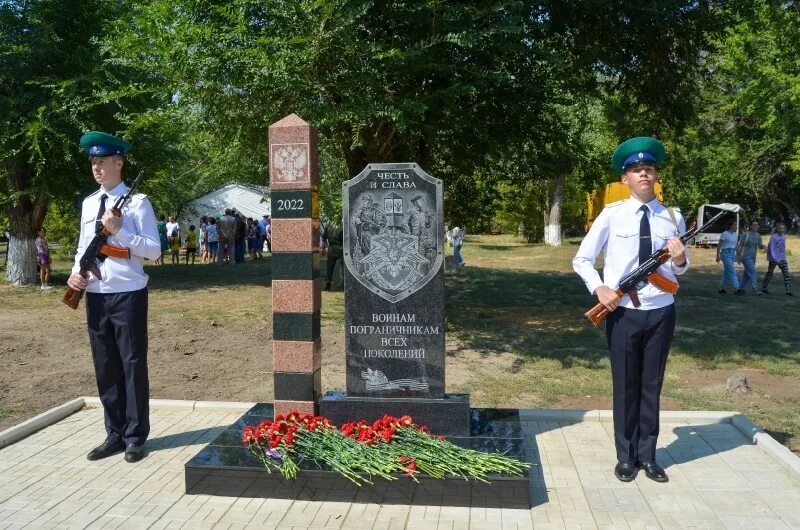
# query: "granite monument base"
{"points": [[225, 468], [448, 416]]}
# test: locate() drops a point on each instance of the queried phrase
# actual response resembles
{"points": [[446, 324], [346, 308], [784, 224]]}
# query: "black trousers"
{"points": [[118, 337], [639, 342], [330, 265]]}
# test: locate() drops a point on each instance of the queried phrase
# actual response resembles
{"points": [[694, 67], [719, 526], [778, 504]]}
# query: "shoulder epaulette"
{"points": [[93, 194], [613, 204]]}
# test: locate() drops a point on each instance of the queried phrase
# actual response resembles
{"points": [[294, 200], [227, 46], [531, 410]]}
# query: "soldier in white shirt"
{"points": [[639, 332], [116, 301]]}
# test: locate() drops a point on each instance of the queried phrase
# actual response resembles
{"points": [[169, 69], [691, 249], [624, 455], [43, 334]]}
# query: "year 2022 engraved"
{"points": [[290, 204]]}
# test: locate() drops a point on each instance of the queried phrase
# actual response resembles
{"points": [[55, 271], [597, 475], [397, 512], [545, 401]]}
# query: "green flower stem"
{"points": [[359, 462]]}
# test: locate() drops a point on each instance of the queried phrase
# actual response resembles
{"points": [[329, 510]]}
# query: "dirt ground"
{"points": [[48, 362]]}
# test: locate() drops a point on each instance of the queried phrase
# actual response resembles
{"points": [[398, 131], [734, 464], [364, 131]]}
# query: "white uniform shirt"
{"points": [[616, 231], [138, 233]]}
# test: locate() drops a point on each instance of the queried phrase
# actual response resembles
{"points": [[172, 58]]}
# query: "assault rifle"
{"points": [[100, 247], [648, 272]]}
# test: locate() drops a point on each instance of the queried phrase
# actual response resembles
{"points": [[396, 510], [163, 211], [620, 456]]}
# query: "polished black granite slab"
{"points": [[225, 468], [448, 416], [394, 299]]}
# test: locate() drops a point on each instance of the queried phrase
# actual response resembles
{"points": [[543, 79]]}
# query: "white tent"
{"points": [[249, 200]]}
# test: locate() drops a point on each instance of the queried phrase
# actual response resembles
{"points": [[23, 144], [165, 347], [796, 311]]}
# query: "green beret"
{"points": [[635, 150], [98, 144]]}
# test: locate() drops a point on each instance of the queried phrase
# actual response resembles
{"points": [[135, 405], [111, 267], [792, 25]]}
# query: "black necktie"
{"points": [[645, 246], [98, 223]]}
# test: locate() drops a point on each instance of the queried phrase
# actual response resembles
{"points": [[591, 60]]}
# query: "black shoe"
{"points": [[327, 287], [764, 291], [740, 292], [722, 291], [625, 471], [134, 452], [789, 293], [654, 472], [106, 449]]}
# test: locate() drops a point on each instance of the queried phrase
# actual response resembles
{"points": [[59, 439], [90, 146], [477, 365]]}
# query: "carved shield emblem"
{"points": [[393, 235]]}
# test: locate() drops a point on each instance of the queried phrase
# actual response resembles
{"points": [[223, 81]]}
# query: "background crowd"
{"points": [[221, 239]]}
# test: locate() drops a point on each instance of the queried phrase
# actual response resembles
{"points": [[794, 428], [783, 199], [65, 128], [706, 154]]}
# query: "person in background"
{"points": [[262, 229], [203, 239], [776, 256], [749, 243], [173, 228], [191, 244], [213, 239], [43, 259], [334, 244], [268, 235], [241, 238], [252, 235], [457, 239], [259, 241], [175, 247], [226, 229], [726, 251], [162, 237]]}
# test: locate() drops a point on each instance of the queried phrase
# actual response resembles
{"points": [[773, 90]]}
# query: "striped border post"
{"points": [[296, 297]]}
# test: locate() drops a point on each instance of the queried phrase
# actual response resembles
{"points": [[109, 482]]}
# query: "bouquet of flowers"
{"points": [[385, 448]]}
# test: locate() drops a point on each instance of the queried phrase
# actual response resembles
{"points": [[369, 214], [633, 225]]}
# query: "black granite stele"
{"points": [[394, 283], [225, 468]]}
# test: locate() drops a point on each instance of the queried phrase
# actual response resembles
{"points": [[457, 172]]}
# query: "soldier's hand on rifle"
{"points": [[77, 282], [112, 223], [677, 250], [607, 297]]}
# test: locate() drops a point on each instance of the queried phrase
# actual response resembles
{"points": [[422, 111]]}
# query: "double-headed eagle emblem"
{"points": [[290, 163]]}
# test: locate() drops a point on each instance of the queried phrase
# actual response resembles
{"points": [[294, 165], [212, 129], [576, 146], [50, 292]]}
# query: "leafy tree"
{"points": [[745, 146], [50, 67]]}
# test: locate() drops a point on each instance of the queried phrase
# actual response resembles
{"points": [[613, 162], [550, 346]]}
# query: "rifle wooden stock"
{"points": [[72, 297], [668, 286], [115, 252], [599, 312]]}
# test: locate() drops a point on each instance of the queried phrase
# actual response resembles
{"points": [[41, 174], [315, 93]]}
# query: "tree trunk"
{"points": [[25, 217], [21, 268], [552, 218]]}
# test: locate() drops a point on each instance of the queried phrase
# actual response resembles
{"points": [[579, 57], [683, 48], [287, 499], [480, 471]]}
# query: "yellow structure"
{"points": [[616, 191]]}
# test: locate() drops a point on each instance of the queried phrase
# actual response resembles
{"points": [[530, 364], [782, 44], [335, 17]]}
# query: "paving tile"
{"points": [[718, 479]]}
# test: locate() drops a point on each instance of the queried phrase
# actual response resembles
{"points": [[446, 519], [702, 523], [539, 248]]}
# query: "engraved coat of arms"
{"points": [[392, 238]]}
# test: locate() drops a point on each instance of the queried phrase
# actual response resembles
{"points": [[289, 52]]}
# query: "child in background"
{"points": [[252, 234], [175, 246], [213, 240], [191, 244], [43, 258], [776, 255]]}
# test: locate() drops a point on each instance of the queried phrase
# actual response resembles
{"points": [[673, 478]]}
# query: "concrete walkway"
{"points": [[718, 479]]}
